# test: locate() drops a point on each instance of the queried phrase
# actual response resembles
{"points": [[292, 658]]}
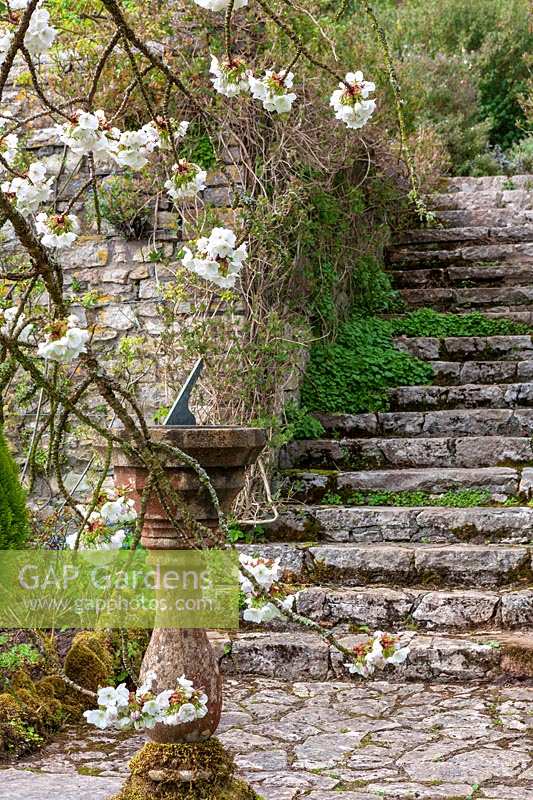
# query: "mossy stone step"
{"points": [[490, 198], [418, 524], [468, 395], [440, 566], [445, 658], [467, 275], [494, 217], [392, 609], [415, 257], [405, 453], [458, 422], [470, 299], [494, 183], [312, 486], [453, 237], [467, 348]]}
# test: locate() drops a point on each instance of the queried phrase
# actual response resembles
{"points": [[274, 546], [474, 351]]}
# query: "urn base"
{"points": [[188, 771]]}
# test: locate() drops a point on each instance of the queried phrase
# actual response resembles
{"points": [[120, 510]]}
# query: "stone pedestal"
{"points": [[163, 768]]}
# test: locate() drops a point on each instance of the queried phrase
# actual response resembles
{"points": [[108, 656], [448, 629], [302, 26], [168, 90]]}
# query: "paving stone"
{"points": [[18, 783]]}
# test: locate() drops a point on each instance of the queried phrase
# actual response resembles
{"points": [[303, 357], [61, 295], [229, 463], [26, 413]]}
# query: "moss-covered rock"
{"points": [[89, 662], [197, 771]]}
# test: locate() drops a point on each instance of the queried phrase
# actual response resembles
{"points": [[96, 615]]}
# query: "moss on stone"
{"points": [[198, 757], [89, 661]]}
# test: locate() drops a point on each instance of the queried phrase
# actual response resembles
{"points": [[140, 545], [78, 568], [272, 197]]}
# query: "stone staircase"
{"points": [[459, 579]]}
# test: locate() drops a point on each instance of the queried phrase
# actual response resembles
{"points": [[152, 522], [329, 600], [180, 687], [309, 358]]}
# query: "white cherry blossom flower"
{"points": [[186, 686], [216, 258], [187, 713], [65, 341], [231, 77], [351, 101], [186, 181], [58, 230], [271, 90], [18, 5], [23, 329], [8, 146], [40, 34], [31, 191], [6, 39], [134, 147], [261, 613], [221, 5], [90, 133], [118, 511]]}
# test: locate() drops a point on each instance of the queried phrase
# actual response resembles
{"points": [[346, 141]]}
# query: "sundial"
{"points": [[180, 413]]}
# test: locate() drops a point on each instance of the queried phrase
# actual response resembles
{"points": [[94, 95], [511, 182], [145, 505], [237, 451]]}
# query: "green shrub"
{"points": [[123, 203], [14, 526], [521, 157], [301, 424], [353, 373]]}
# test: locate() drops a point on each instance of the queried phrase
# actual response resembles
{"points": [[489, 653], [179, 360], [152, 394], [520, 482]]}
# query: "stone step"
{"points": [[392, 609], [459, 422], [467, 348], [469, 395], [403, 452], [471, 299], [516, 199], [424, 524], [438, 566], [460, 236], [455, 373], [493, 183], [312, 487], [474, 217], [465, 276], [519, 314], [306, 656], [416, 257]]}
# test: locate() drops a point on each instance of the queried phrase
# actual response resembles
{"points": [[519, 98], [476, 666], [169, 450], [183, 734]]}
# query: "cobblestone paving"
{"points": [[325, 741]]}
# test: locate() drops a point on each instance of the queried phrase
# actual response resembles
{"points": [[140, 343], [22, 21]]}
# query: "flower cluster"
{"points": [[8, 146], [231, 76], [187, 180], [57, 230], [351, 101], [134, 146], [65, 340], [90, 133], [22, 330], [266, 572], [375, 654], [123, 710], [271, 90], [104, 529], [40, 35], [220, 5], [31, 191], [216, 258]]}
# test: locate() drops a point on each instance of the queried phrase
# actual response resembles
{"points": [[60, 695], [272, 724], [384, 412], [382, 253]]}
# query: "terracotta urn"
{"points": [[224, 453]]}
